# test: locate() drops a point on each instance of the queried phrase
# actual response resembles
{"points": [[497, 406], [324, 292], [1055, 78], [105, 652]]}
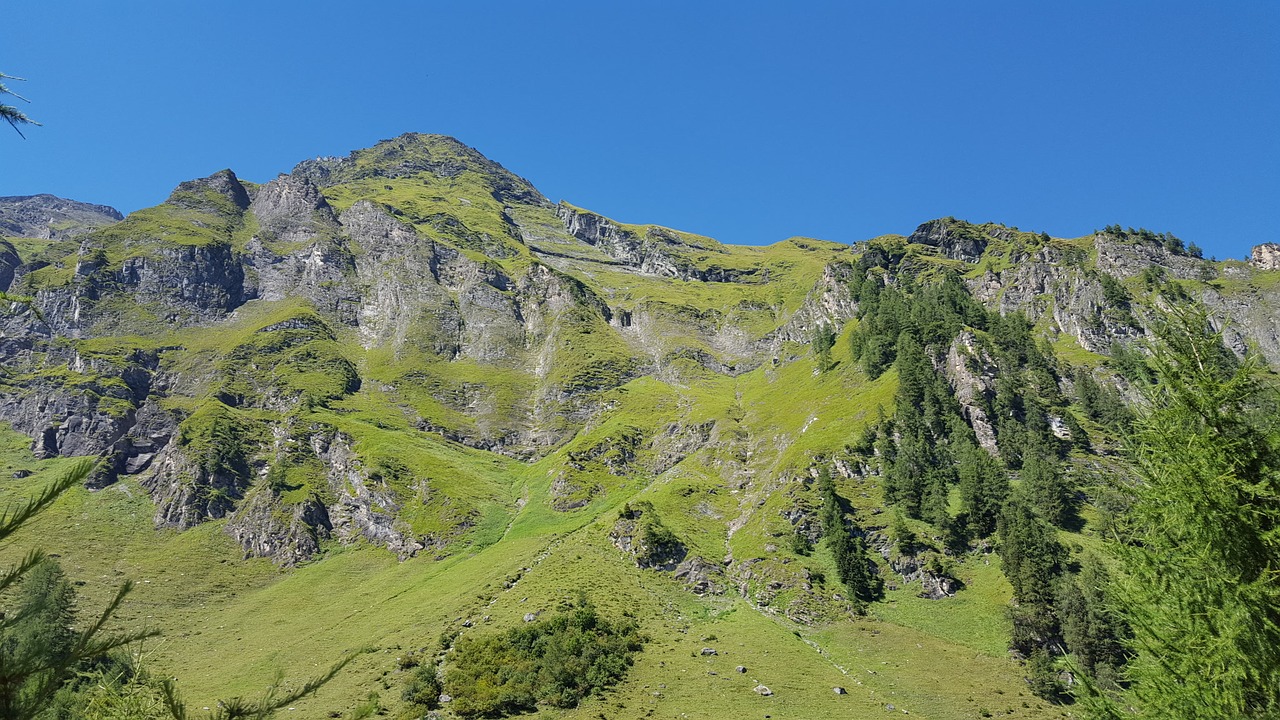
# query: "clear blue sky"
{"points": [[747, 121]]}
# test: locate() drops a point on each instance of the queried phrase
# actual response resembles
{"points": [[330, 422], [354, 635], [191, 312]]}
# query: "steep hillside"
{"points": [[400, 397]]}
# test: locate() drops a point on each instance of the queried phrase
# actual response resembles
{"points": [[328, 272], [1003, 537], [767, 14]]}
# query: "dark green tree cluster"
{"points": [[824, 338], [1101, 403], [984, 486], [423, 689], [555, 662], [926, 418], [1059, 607], [935, 448], [1026, 395], [848, 548], [933, 314]]}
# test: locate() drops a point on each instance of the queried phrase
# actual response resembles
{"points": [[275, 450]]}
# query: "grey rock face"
{"points": [[289, 537], [959, 241], [292, 206], [1265, 256], [52, 217], [401, 274], [9, 262], [656, 252], [364, 507], [79, 406], [700, 576], [1051, 281], [201, 282], [1131, 259], [971, 372], [301, 249], [186, 492]]}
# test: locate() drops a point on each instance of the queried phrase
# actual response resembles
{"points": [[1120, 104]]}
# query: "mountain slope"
{"points": [[400, 395]]}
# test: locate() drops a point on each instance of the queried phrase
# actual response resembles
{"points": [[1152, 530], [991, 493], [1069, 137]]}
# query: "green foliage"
{"points": [[905, 538], [556, 662], [276, 696], [847, 545], [115, 687], [1042, 676], [1113, 292], [424, 687], [1130, 363], [927, 417], [40, 631], [824, 338], [984, 485], [1167, 240], [1101, 402], [656, 544], [1199, 548], [1091, 628], [39, 649], [1045, 487], [1032, 560]]}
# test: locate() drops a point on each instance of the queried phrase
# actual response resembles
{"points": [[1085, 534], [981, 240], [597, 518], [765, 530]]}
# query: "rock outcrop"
{"points": [[1265, 256]]}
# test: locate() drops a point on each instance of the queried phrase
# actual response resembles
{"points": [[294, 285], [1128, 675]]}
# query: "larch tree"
{"points": [[1198, 577]]}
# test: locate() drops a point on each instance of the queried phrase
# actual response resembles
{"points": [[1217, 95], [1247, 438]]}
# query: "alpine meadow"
{"points": [[394, 435]]}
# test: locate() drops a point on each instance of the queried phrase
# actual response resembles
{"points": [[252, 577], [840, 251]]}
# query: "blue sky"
{"points": [[747, 121]]}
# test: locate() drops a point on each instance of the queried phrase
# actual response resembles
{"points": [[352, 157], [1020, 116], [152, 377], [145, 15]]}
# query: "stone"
{"points": [[709, 651], [1266, 256], [762, 690], [839, 690], [741, 669], [530, 617]]}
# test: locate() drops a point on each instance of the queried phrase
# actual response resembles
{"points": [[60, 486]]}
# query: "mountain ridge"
{"points": [[411, 357]]}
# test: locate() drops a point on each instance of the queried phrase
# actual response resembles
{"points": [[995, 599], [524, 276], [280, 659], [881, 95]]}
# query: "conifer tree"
{"points": [[1199, 547], [983, 489], [39, 651], [9, 113]]}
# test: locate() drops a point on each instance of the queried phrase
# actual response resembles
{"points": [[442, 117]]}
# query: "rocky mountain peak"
{"points": [[413, 154], [51, 217], [202, 192]]}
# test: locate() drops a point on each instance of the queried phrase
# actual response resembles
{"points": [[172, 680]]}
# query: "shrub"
{"points": [[554, 662]]}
